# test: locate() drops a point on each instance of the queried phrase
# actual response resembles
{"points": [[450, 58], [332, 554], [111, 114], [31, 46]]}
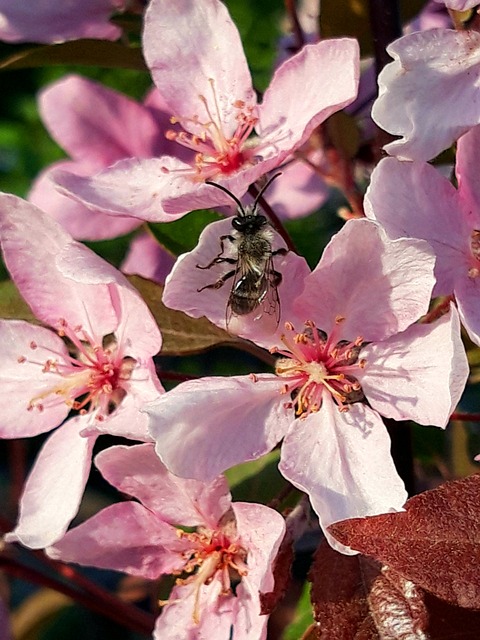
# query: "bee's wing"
{"points": [[271, 300]]}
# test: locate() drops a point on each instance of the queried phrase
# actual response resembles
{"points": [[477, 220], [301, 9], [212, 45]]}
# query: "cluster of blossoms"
{"points": [[350, 341]]}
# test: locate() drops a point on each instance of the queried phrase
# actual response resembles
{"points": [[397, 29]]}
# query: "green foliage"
{"points": [[182, 235], [303, 616]]}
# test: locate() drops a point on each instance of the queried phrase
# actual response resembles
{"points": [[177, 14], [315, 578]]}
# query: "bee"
{"points": [[255, 280]]}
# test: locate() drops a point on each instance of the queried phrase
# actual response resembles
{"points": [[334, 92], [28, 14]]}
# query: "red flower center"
{"points": [[314, 364]]}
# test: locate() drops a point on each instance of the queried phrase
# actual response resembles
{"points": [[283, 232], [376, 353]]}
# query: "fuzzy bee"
{"points": [[255, 280]]}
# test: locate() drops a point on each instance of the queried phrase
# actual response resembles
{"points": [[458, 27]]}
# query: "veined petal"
{"points": [[138, 472], [80, 222], [342, 461], [54, 487], [467, 158], [206, 426], [22, 347], [193, 49], [326, 74], [31, 242], [467, 295], [124, 537], [90, 120], [377, 285], [413, 200], [141, 188], [419, 374], [51, 21], [432, 74]]}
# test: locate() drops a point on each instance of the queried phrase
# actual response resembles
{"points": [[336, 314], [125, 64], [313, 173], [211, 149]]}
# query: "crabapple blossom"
{"points": [[414, 200], [53, 21], [429, 95], [95, 359], [349, 353], [223, 550], [147, 258], [96, 126], [196, 58]]}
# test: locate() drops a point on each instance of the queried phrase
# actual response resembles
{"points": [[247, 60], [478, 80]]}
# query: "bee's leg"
{"points": [[221, 281], [219, 258]]}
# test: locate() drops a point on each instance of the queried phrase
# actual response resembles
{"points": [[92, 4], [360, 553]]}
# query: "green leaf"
{"points": [[182, 335], [100, 53], [303, 616], [12, 305], [181, 235], [258, 480]]}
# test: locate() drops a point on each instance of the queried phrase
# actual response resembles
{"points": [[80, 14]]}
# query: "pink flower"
{"points": [[52, 21], [147, 258], [359, 355], [224, 544], [429, 94], [415, 200], [96, 126], [95, 359], [197, 62]]}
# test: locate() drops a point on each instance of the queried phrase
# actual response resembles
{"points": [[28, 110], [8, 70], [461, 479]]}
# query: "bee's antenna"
{"points": [[263, 189], [233, 197]]}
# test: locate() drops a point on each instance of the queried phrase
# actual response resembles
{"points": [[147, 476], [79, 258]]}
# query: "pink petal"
{"points": [[138, 472], [467, 295], [147, 258], [124, 537], [94, 123], [328, 74], [467, 159], [343, 462], [54, 22], [261, 531], [54, 487], [300, 190], [459, 5], [22, 382], [216, 613], [205, 426], [80, 222], [136, 329], [378, 285], [419, 374], [433, 72], [32, 242], [128, 420], [413, 200], [141, 188], [193, 49]]}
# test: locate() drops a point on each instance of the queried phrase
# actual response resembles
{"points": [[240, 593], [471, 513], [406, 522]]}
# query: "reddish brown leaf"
{"points": [[281, 574], [435, 543], [449, 622], [354, 600], [339, 596]]}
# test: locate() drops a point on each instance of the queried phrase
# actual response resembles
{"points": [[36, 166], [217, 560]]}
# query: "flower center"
{"points": [[216, 152], [474, 270], [92, 378], [213, 555], [314, 364]]}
